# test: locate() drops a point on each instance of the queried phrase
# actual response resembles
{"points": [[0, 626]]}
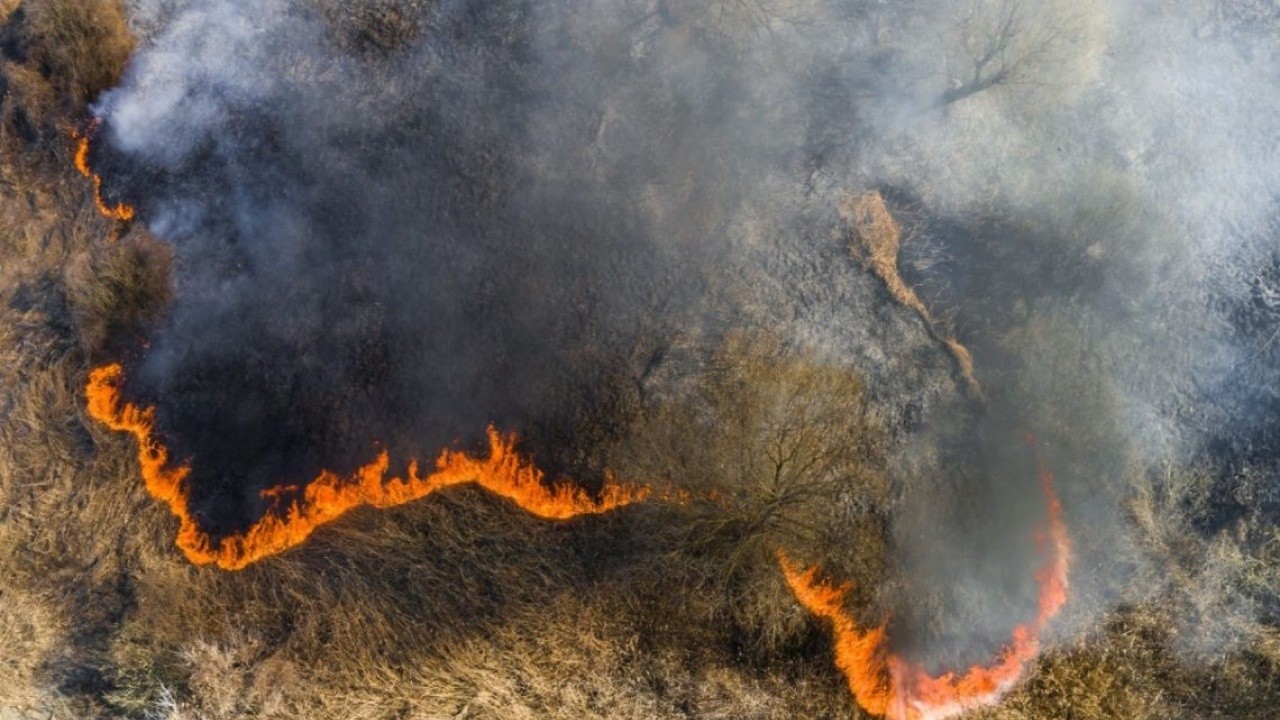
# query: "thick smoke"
{"points": [[395, 223], [396, 249]]}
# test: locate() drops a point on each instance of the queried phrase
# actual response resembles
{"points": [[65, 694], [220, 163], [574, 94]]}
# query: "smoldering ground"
{"points": [[485, 215]]}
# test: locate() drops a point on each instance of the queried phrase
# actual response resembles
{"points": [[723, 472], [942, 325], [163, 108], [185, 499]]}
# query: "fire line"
{"points": [[121, 211], [887, 685], [881, 682], [288, 523]]}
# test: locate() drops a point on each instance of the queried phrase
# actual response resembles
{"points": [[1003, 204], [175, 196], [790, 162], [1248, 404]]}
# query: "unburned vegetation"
{"points": [[462, 606]]}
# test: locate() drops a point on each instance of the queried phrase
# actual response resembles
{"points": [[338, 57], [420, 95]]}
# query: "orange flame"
{"points": [[122, 211], [329, 496], [860, 655], [886, 684]]}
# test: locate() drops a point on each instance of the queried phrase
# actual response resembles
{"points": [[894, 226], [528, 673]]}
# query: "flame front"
{"points": [[298, 512], [885, 684], [860, 654], [122, 211]]}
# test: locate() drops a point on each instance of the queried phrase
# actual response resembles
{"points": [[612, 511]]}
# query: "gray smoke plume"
{"points": [[466, 212]]}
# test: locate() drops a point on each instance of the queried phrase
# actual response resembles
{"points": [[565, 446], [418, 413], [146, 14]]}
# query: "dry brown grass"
{"points": [[458, 607], [788, 454], [81, 45], [1194, 644], [1130, 670], [30, 631], [129, 288], [373, 29], [1119, 675], [462, 606], [29, 106], [1217, 585], [877, 239]]}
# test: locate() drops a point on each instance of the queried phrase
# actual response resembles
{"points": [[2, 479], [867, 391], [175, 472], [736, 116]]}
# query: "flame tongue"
{"points": [[886, 684], [122, 211], [289, 523], [860, 654]]}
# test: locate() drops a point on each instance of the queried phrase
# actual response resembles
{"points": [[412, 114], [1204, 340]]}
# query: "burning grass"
{"points": [[299, 511], [885, 684], [466, 606], [121, 211]]}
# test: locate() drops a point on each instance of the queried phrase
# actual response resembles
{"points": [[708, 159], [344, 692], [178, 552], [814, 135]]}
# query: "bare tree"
{"points": [[779, 452], [1013, 42], [783, 445]]}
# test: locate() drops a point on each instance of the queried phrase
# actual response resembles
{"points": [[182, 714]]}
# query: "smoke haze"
{"points": [[484, 210]]}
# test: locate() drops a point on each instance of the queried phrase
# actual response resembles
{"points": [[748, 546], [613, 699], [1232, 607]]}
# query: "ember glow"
{"points": [[885, 684], [120, 211], [296, 512]]}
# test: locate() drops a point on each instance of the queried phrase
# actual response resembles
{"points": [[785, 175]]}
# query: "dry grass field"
{"points": [[463, 606]]}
